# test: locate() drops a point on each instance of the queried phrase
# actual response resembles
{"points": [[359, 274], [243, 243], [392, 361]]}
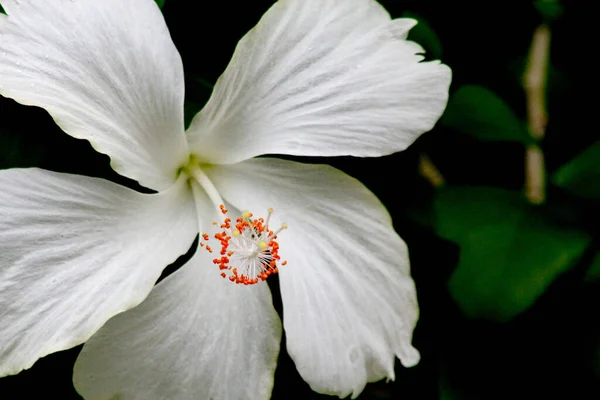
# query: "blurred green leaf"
{"points": [[479, 112], [421, 215], [190, 109], [424, 34], [550, 9], [2, 10], [593, 272], [160, 3], [204, 82], [510, 253], [477, 204], [15, 153], [581, 175]]}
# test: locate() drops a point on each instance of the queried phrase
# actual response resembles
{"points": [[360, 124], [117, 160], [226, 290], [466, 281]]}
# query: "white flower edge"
{"points": [[197, 336], [349, 302], [75, 252], [106, 71], [321, 78]]}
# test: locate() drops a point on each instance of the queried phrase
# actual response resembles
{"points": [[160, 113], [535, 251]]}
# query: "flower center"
{"points": [[249, 250]]}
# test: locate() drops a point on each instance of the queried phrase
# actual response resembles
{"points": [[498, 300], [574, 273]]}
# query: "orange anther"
{"points": [[244, 258]]}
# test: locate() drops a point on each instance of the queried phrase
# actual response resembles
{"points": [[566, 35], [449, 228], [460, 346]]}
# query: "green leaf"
{"points": [[2, 10], [477, 204], [510, 253], [581, 175], [479, 112], [160, 3], [550, 9], [593, 272], [423, 34]]}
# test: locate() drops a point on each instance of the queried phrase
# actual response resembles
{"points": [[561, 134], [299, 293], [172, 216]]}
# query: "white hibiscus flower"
{"points": [[313, 78]]}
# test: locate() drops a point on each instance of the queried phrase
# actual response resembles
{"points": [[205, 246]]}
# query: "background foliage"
{"points": [[509, 291]]}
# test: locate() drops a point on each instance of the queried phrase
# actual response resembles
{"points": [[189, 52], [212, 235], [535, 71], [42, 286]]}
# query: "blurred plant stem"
{"points": [[534, 83], [429, 171]]}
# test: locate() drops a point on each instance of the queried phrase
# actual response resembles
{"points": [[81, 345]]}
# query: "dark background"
{"points": [[550, 350]]}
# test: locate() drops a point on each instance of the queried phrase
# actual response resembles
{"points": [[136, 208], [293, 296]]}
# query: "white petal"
{"points": [[197, 336], [349, 301], [107, 71], [321, 78], [75, 251]]}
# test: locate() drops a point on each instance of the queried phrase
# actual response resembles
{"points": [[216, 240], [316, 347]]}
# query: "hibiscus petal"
{"points": [[321, 78], [107, 71], [75, 251], [349, 301], [197, 336]]}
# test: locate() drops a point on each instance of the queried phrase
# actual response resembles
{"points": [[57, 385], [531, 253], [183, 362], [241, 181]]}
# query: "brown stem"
{"points": [[534, 84]]}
